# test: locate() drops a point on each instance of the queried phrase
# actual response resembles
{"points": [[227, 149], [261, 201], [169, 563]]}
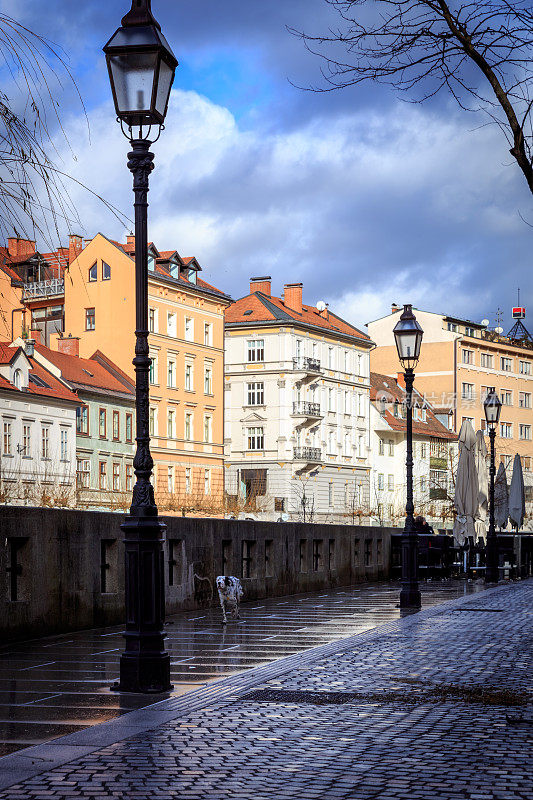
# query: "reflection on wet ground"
{"points": [[54, 686]]}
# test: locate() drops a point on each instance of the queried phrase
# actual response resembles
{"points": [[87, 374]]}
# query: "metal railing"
{"points": [[34, 291], [306, 408], [308, 453], [306, 363]]}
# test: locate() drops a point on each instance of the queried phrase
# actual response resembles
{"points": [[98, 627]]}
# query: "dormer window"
{"points": [[151, 262], [17, 378], [93, 272], [192, 276]]}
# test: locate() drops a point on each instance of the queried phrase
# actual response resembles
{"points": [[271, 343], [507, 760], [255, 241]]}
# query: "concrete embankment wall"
{"points": [[62, 570]]}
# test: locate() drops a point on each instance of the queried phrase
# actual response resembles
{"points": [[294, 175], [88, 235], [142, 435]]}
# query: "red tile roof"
{"points": [[266, 308], [54, 387], [387, 388], [88, 372], [7, 353]]}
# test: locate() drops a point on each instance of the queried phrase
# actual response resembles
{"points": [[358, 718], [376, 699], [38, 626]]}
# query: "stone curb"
{"points": [[33, 761]]}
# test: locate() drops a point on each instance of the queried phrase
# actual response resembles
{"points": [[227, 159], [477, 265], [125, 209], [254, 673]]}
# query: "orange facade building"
{"points": [[186, 321]]}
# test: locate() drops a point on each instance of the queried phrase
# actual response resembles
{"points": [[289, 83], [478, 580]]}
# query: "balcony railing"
{"points": [[308, 454], [42, 289], [306, 363], [306, 409]]}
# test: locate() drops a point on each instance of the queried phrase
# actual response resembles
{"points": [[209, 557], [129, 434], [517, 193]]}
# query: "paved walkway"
{"points": [[429, 707], [60, 684]]}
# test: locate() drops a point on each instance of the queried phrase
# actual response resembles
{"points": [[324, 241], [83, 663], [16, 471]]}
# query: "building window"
{"points": [[171, 373], [208, 334], [116, 426], [188, 378], [64, 445], [93, 272], [317, 554], [129, 426], [82, 420], [89, 319], [45, 442], [525, 368], [506, 364], [208, 422], [381, 482], [256, 394], [469, 331], [331, 400], [208, 381], [171, 424], [170, 480], [188, 480], [361, 449], [468, 419], [26, 441], [188, 426], [390, 483], [525, 432], [347, 447], [106, 271], [423, 484], [468, 356], [189, 329], [381, 447], [256, 350], [152, 374], [331, 494], [331, 443], [330, 357], [255, 439], [423, 449], [506, 430], [152, 421], [452, 327], [17, 378], [102, 475], [207, 481], [116, 477], [346, 357], [83, 473], [172, 329], [152, 320], [487, 361], [7, 439], [129, 477], [506, 460], [391, 447], [102, 423], [467, 391], [524, 400], [526, 462], [506, 397]]}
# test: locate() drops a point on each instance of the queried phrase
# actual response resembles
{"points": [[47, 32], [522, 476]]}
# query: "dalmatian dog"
{"points": [[230, 592]]}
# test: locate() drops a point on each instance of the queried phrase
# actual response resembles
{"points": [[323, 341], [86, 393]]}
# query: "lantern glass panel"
{"points": [[133, 78], [164, 83], [492, 409], [408, 345]]}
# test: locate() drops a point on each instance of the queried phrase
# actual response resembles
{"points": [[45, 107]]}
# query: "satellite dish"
{"points": [[321, 305], [498, 330], [485, 322]]}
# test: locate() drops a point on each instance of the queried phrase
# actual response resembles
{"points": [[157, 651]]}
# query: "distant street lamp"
{"points": [[408, 335], [492, 406], [141, 70]]}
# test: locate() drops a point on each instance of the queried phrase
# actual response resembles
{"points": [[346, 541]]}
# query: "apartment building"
{"points": [[38, 430], [434, 452], [297, 405], [186, 321], [459, 361]]}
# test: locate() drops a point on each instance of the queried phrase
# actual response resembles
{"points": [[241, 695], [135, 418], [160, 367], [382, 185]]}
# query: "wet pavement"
{"points": [[59, 685]]}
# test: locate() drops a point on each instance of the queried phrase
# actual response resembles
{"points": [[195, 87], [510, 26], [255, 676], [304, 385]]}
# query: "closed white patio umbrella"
{"points": [[466, 485], [480, 524], [501, 498], [517, 495]]}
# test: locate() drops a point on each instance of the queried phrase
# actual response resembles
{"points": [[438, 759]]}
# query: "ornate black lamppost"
{"points": [[408, 335], [492, 406], [141, 70]]}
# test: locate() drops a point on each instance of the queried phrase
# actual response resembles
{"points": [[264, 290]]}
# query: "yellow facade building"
{"points": [[186, 322]]}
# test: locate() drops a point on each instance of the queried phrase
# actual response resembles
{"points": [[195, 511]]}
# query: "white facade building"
{"points": [[296, 408], [37, 429]]}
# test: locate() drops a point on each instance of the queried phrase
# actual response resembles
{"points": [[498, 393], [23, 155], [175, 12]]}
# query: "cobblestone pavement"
{"points": [[420, 722], [60, 684]]}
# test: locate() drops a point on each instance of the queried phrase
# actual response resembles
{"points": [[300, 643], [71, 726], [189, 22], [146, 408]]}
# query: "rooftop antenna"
{"points": [[519, 332]]}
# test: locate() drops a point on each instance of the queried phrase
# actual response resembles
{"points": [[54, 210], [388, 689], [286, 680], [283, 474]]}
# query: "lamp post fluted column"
{"points": [[492, 565], [410, 593]]}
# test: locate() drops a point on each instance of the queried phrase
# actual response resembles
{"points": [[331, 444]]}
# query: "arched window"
{"points": [[93, 272], [17, 378]]}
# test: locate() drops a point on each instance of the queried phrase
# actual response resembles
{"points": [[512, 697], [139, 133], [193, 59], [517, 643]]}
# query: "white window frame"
{"points": [[255, 351], [255, 438], [255, 393]]}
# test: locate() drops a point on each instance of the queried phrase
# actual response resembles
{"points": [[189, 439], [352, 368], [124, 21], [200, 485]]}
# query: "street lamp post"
{"points": [[492, 407], [141, 70], [408, 336]]}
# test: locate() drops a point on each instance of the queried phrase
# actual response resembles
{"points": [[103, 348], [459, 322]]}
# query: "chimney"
{"points": [[75, 246], [20, 247], [395, 308], [130, 239], [37, 335], [324, 312], [69, 346], [292, 296], [263, 285], [29, 347]]}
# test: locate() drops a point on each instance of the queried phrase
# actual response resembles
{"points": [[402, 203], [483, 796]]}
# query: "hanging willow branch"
{"points": [[479, 52], [34, 196]]}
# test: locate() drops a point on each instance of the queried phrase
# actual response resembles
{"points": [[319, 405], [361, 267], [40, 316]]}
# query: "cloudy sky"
{"points": [[366, 199]]}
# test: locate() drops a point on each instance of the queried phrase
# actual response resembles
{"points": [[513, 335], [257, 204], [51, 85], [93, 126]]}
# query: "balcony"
{"points": [[43, 289], [310, 454], [438, 462], [303, 408], [306, 364]]}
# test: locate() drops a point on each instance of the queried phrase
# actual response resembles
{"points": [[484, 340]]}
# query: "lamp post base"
{"points": [[146, 674], [410, 598]]}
